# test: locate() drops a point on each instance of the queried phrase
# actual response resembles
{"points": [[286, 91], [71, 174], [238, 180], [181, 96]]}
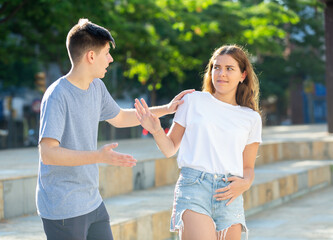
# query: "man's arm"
{"points": [[127, 117], [52, 154]]}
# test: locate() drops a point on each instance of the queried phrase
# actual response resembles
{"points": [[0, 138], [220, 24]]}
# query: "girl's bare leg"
{"points": [[233, 233], [198, 226]]}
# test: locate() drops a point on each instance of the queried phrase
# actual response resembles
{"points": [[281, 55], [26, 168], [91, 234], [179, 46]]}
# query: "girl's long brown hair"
{"points": [[247, 93]]}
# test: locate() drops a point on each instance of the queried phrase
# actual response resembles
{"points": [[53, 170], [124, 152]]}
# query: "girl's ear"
{"points": [[244, 74]]}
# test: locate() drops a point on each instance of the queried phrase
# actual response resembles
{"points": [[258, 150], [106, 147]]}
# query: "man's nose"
{"points": [[111, 59]]}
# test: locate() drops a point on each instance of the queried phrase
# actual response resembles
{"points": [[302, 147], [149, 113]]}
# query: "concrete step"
{"points": [[280, 182], [146, 214], [18, 170], [304, 218], [301, 149]]}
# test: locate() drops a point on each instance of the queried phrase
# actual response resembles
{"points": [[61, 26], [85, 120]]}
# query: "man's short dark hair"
{"points": [[85, 36]]}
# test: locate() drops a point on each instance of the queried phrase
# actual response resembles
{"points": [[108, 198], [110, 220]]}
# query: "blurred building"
{"points": [[19, 114], [308, 103]]}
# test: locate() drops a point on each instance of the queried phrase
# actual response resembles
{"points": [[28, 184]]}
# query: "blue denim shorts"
{"points": [[195, 190]]}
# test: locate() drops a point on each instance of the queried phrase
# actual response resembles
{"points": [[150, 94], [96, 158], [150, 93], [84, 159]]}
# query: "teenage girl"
{"points": [[217, 132]]}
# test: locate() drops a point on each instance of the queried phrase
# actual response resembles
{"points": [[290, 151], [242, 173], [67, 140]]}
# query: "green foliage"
{"points": [[164, 45], [303, 51], [265, 27]]}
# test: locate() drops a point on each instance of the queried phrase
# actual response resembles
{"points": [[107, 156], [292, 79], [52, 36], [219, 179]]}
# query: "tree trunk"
{"points": [[296, 100], [329, 62]]}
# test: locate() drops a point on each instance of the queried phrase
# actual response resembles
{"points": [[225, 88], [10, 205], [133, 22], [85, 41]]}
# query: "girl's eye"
{"points": [[216, 67], [229, 69]]}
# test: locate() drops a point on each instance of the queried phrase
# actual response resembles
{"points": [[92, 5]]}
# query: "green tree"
{"points": [[166, 42], [302, 57], [33, 35]]}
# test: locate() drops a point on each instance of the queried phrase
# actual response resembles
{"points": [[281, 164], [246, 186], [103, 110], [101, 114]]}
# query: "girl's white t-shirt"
{"points": [[216, 134]]}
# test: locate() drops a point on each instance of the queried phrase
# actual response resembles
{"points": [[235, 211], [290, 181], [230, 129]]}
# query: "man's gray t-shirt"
{"points": [[71, 116]]}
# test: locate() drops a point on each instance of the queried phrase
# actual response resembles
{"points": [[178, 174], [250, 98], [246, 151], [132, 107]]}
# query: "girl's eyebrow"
{"points": [[220, 65]]}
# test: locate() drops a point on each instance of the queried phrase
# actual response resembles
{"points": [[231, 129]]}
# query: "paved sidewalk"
{"points": [[296, 133], [308, 217]]}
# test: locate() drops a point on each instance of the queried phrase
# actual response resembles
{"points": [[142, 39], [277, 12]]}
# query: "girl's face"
{"points": [[226, 76]]}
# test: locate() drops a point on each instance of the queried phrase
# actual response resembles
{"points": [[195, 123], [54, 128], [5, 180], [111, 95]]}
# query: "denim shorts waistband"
{"points": [[203, 175]]}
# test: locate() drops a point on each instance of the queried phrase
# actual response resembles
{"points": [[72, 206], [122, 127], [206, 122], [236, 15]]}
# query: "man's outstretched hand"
{"points": [[115, 158], [177, 100]]}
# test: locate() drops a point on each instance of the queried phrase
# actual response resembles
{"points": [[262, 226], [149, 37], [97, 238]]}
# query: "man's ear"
{"points": [[90, 56]]}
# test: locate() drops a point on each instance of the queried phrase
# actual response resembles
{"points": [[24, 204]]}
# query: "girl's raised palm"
{"points": [[147, 120]]}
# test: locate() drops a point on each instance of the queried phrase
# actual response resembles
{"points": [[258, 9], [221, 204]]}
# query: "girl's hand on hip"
{"points": [[233, 190]]}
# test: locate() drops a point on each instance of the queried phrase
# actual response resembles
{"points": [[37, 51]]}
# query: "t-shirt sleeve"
{"points": [[181, 113], [52, 119], [255, 133], [109, 107]]}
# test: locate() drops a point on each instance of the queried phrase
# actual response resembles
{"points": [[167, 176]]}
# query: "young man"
{"points": [[68, 198]]}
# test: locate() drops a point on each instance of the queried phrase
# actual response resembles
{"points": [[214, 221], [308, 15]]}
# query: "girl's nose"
{"points": [[221, 72]]}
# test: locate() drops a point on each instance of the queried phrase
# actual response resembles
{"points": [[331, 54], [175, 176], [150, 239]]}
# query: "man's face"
{"points": [[103, 59]]}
